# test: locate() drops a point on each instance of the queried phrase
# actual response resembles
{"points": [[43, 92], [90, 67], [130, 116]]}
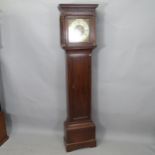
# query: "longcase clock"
{"points": [[78, 39]]}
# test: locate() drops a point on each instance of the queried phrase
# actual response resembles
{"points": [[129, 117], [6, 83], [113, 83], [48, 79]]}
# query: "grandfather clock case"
{"points": [[78, 39]]}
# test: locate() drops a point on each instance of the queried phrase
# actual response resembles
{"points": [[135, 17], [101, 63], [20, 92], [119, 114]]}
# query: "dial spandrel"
{"points": [[78, 30]]}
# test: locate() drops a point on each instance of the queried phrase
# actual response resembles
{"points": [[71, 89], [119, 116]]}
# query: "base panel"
{"points": [[79, 135], [3, 133]]}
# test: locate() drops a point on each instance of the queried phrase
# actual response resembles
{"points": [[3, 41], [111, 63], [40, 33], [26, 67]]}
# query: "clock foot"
{"points": [[79, 135], [3, 134]]}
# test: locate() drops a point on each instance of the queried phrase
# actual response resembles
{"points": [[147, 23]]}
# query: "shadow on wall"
{"points": [[100, 129], [2, 97]]}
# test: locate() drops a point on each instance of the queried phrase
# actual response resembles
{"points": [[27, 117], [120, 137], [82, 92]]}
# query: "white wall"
{"points": [[33, 67]]}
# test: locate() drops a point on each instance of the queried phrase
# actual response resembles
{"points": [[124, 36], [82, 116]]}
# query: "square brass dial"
{"points": [[78, 30]]}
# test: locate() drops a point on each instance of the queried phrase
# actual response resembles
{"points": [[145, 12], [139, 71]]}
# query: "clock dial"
{"points": [[78, 30]]}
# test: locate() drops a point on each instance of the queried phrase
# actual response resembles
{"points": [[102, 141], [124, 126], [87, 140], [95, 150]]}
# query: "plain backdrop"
{"points": [[33, 84]]}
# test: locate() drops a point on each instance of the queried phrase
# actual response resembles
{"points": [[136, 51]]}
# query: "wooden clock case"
{"points": [[79, 127]]}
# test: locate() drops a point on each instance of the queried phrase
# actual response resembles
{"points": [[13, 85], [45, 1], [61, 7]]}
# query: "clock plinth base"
{"points": [[3, 134], [79, 135]]}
